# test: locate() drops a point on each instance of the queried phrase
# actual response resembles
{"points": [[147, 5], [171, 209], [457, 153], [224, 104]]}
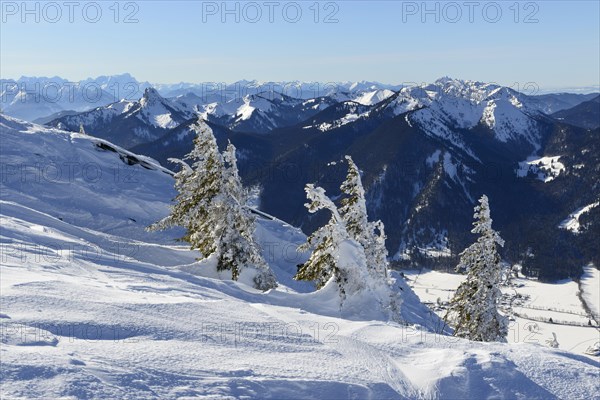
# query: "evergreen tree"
{"points": [[371, 236], [354, 206], [238, 249], [210, 205], [325, 241], [379, 251], [337, 256], [200, 192], [473, 310]]}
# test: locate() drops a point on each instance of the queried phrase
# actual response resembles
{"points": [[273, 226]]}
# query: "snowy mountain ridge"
{"points": [[129, 122], [37, 97]]}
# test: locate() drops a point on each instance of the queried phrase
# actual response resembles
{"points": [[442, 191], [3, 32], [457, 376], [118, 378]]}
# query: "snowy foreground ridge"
{"points": [[93, 306]]}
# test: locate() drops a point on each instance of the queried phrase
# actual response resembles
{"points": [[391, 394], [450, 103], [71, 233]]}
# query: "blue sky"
{"points": [[555, 44]]}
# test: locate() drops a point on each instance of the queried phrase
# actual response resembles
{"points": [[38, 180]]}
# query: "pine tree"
{"points": [[354, 206], [325, 241], [238, 249], [371, 236], [337, 256], [210, 205], [379, 252], [473, 310], [200, 191]]}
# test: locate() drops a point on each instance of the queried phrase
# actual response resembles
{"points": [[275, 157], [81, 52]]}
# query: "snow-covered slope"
{"points": [[448, 106], [93, 306], [373, 97], [457, 104], [571, 223], [544, 169]]}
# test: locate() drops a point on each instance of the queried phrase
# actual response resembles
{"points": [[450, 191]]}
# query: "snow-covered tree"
{"points": [[370, 235], [237, 247], [325, 242], [200, 193], [210, 205], [379, 251], [337, 256], [473, 311], [552, 342], [354, 206]]}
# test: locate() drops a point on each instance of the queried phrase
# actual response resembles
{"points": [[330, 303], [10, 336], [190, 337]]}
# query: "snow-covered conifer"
{"points": [[379, 251], [337, 255], [200, 191], [473, 310], [210, 205], [354, 207], [325, 241], [238, 248], [371, 236]]}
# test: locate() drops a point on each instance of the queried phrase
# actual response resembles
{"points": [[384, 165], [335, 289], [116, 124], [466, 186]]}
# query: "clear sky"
{"points": [[555, 44]]}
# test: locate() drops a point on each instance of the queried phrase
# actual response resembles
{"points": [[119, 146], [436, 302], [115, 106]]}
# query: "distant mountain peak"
{"points": [[151, 97]]}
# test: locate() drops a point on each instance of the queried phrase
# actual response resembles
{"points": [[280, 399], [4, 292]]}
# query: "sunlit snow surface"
{"points": [[544, 169], [572, 222], [93, 306], [558, 301]]}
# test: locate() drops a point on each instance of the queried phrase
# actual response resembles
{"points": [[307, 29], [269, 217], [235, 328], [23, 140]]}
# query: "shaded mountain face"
{"points": [[426, 154], [585, 115], [128, 123]]}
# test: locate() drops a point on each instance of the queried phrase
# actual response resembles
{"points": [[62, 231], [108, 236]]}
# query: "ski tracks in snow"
{"points": [[364, 356]]}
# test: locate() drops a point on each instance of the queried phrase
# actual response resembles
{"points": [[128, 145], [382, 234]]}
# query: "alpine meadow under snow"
{"points": [[96, 305]]}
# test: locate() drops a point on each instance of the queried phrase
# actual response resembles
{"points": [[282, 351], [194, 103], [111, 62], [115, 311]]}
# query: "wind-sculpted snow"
{"points": [[93, 306]]}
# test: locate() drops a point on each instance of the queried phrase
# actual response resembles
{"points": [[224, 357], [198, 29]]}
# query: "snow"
{"points": [[156, 110], [352, 116], [462, 104], [93, 306], [558, 301], [242, 109], [590, 289], [373, 97], [571, 223], [545, 168], [433, 159], [449, 166], [122, 106], [245, 111]]}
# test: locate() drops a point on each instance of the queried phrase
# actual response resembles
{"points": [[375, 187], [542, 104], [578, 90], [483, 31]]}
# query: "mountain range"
{"points": [[426, 153]]}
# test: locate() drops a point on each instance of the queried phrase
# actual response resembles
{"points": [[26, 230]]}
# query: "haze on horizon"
{"points": [[555, 44]]}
